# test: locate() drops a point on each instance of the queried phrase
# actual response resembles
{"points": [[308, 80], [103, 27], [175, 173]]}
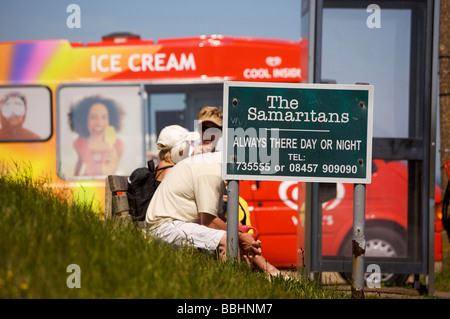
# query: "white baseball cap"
{"points": [[172, 135]]}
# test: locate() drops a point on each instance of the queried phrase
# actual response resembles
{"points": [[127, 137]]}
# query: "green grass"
{"points": [[41, 235]]}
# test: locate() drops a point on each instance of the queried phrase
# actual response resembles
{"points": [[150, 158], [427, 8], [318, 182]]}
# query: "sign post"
{"points": [[232, 220], [358, 240], [300, 132]]}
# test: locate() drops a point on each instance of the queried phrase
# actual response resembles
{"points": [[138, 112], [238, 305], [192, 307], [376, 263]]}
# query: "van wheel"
{"points": [[380, 242]]}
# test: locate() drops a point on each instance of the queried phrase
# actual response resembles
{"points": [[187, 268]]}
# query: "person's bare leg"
{"points": [[257, 260], [222, 248], [261, 263]]}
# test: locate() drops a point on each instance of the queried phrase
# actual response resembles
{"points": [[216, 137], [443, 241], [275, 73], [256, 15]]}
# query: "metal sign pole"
{"points": [[232, 220], [358, 240]]}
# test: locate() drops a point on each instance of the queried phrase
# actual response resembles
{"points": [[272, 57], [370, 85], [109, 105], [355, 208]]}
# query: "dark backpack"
{"points": [[142, 184]]}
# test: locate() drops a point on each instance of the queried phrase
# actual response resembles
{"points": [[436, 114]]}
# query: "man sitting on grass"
{"points": [[184, 210]]}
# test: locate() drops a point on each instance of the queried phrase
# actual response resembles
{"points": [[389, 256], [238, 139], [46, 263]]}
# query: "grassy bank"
{"points": [[41, 235]]}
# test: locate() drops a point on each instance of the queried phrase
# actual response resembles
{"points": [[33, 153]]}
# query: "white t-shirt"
{"points": [[192, 186]]}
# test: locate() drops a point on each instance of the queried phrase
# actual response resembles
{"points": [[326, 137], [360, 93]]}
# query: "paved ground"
{"points": [[385, 292], [407, 291]]}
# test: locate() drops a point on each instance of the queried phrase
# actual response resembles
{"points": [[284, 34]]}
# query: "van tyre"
{"points": [[381, 241]]}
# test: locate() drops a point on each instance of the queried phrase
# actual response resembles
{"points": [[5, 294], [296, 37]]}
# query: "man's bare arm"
{"points": [[246, 241], [212, 221]]}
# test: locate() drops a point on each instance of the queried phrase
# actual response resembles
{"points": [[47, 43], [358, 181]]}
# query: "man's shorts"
{"points": [[191, 234]]}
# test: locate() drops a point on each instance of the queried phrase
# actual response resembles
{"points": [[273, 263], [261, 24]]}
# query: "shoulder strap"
{"points": [[160, 170], [163, 168], [151, 165]]}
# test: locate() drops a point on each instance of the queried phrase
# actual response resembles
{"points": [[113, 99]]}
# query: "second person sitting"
{"points": [[173, 145]]}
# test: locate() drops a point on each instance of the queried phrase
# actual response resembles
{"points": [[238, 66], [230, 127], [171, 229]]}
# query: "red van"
{"points": [[277, 209]]}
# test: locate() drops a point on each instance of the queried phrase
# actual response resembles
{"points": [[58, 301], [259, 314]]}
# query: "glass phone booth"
{"points": [[393, 46]]}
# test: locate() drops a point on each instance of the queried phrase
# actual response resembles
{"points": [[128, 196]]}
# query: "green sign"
{"points": [[298, 132]]}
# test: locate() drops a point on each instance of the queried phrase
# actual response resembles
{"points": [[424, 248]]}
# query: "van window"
{"points": [[170, 104], [25, 113], [100, 131]]}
